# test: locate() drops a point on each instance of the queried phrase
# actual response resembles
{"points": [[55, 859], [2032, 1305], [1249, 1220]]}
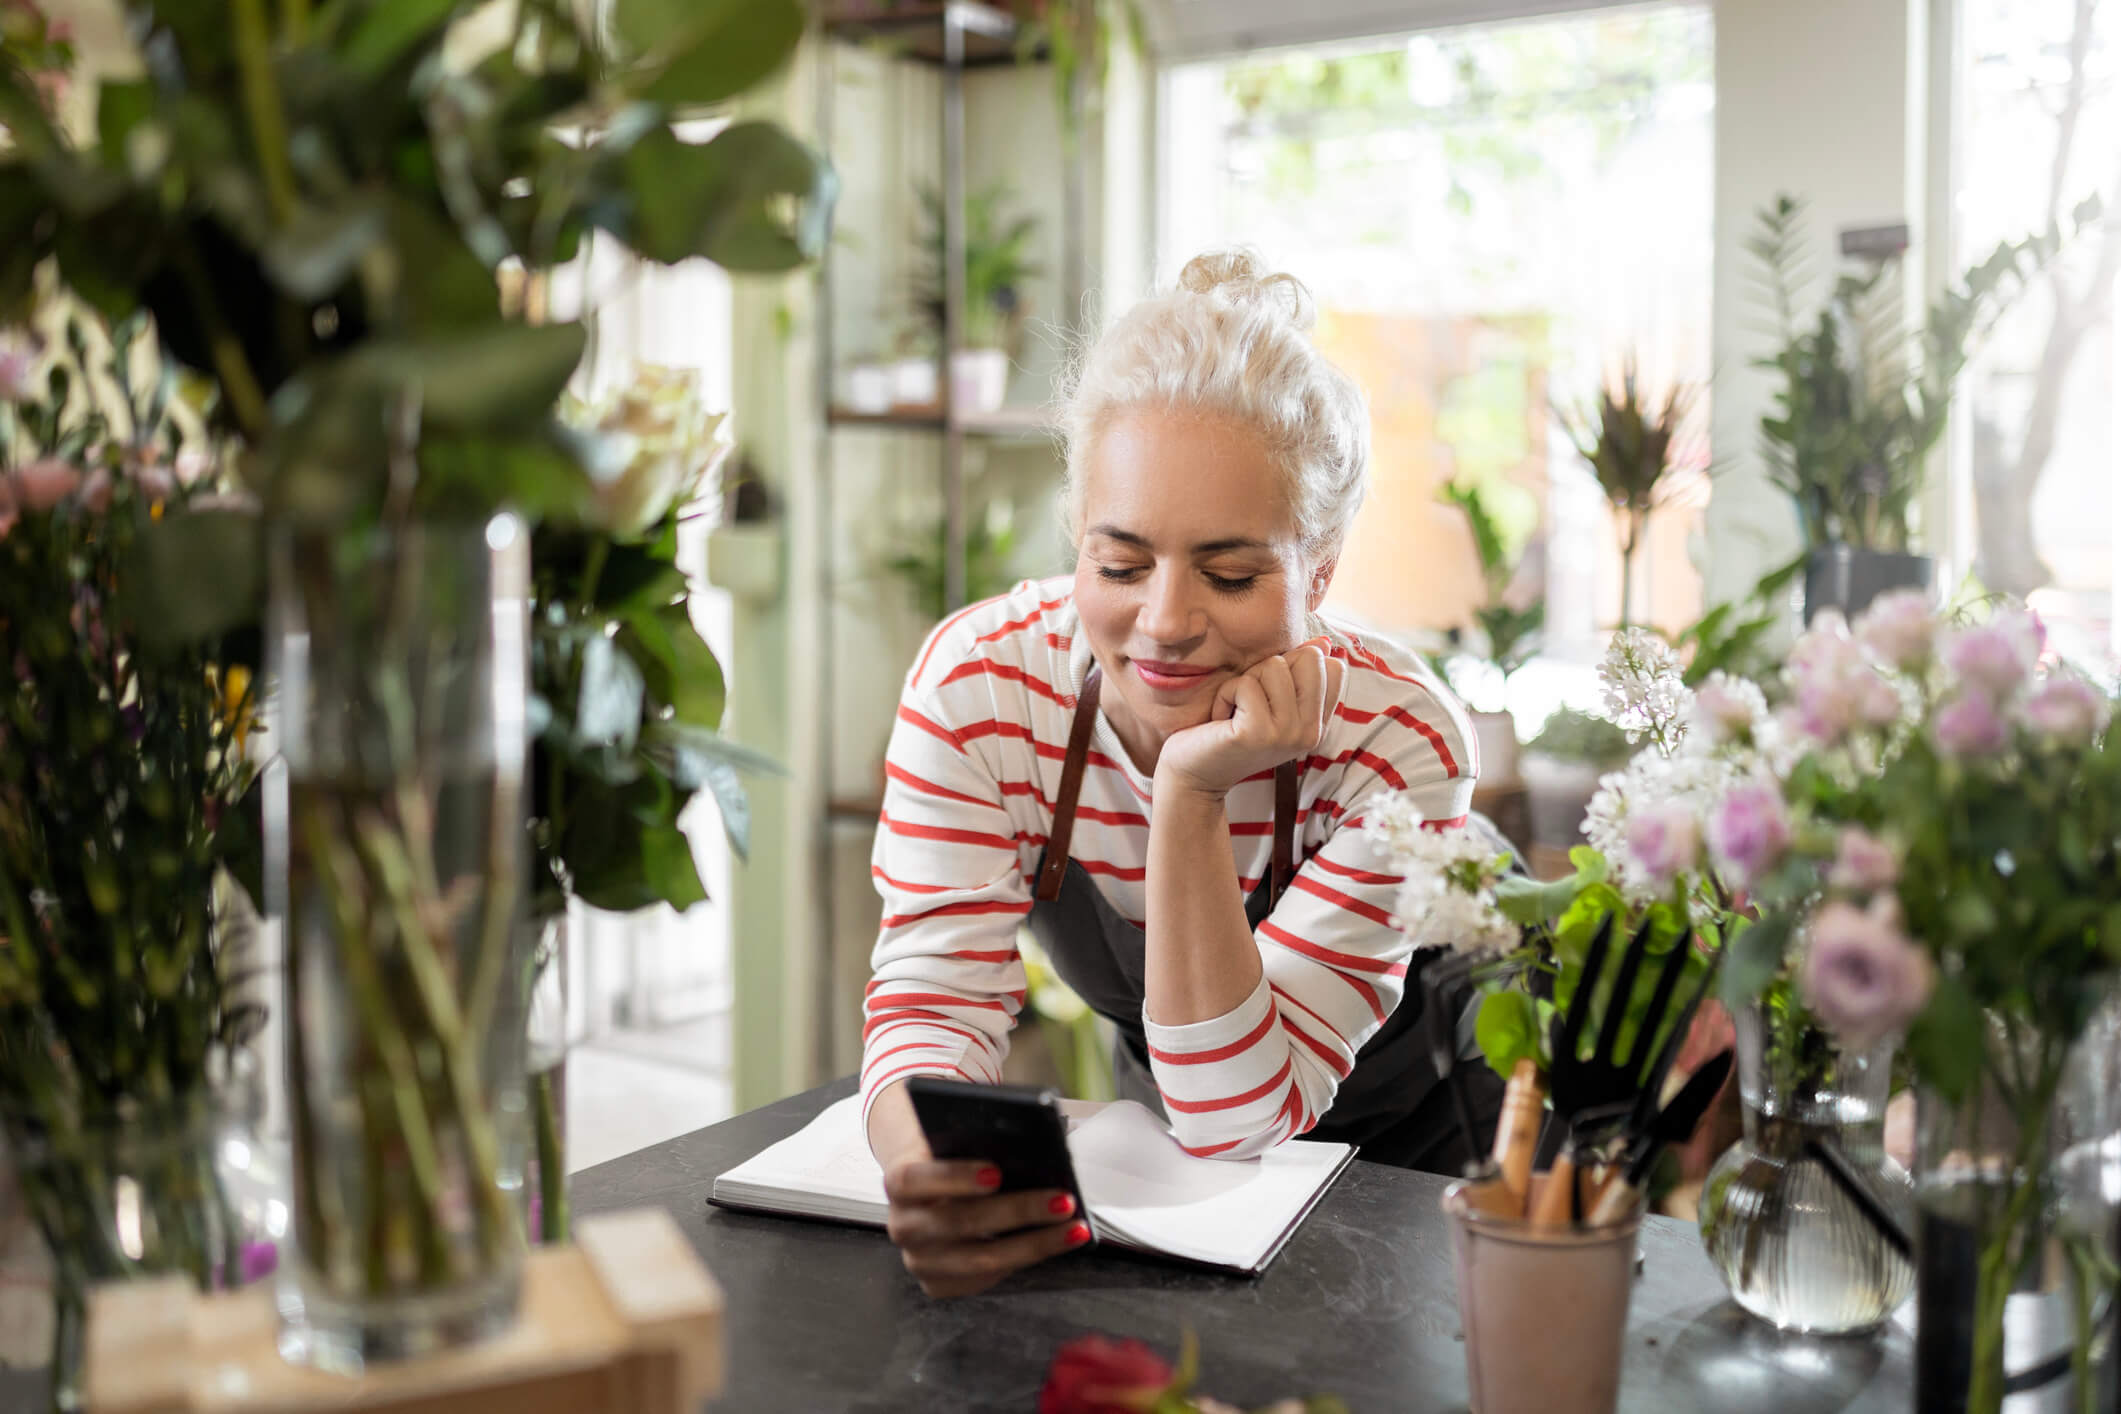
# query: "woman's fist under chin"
{"points": [[1275, 711]]}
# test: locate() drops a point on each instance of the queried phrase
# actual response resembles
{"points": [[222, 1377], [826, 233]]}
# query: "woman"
{"points": [[1105, 757]]}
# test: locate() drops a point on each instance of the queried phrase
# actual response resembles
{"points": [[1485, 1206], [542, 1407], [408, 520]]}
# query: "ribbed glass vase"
{"points": [[1790, 1245]]}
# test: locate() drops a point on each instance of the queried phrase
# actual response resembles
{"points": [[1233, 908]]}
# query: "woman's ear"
{"points": [[1321, 581]]}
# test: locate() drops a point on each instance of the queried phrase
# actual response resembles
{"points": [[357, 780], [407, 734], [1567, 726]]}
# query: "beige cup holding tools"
{"points": [[1545, 1309]]}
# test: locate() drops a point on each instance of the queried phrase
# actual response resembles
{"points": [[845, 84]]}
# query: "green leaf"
{"points": [[1507, 1028], [752, 199], [690, 748], [316, 253], [608, 705], [470, 474], [1753, 957], [1527, 902], [680, 669], [1948, 1040], [667, 864], [733, 802], [121, 106], [199, 575], [490, 379], [389, 28], [1589, 863], [708, 50]]}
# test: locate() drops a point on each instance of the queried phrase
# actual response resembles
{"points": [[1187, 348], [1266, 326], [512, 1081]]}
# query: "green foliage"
{"points": [[1574, 735], [1632, 445], [997, 265], [1509, 635], [990, 540], [1738, 637], [1862, 400], [317, 208]]}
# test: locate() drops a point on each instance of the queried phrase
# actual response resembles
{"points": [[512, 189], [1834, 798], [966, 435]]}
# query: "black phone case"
{"points": [[1018, 1128]]}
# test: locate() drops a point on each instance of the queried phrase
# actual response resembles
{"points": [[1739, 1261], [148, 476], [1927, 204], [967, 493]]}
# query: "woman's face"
{"points": [[1190, 570]]}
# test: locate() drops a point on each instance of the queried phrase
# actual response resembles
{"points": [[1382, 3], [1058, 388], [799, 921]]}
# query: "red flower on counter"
{"points": [[1099, 1375]]}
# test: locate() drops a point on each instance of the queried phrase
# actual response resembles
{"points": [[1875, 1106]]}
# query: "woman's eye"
{"points": [[1228, 585], [1119, 576]]}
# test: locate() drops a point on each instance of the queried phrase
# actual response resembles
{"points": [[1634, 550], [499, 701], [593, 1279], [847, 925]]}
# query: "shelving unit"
{"points": [[954, 36]]}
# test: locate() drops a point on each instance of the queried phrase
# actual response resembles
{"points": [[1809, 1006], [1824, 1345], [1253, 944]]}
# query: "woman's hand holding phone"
{"points": [[1275, 711], [955, 1233]]}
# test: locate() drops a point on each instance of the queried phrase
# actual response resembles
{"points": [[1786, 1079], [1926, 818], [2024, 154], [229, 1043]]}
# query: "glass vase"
{"points": [[545, 1182], [2018, 1185], [142, 1189], [399, 846], [1788, 1242]]}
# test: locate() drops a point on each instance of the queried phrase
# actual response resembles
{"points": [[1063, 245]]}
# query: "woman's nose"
{"points": [[1170, 613]]}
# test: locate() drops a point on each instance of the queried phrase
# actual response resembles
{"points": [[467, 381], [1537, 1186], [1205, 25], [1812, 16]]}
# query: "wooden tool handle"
{"points": [[1553, 1205], [1614, 1201], [1517, 1130]]}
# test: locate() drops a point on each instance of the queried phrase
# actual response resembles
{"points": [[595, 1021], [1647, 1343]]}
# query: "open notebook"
{"points": [[1144, 1191]]}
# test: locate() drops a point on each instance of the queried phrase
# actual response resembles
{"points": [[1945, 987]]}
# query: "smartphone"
{"points": [[1018, 1128]]}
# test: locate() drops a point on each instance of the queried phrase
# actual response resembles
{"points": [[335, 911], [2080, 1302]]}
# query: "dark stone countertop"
{"points": [[1361, 1303]]}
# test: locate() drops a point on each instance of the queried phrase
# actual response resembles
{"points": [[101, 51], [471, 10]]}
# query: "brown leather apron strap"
{"points": [[1054, 867], [1287, 777]]}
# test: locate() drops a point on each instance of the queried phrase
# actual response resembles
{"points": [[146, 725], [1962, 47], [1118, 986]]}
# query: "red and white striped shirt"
{"points": [[974, 766]]}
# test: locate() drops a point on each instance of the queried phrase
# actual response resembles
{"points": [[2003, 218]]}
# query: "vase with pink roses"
{"points": [[1938, 855]]}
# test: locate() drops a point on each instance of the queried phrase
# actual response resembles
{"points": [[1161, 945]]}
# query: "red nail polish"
{"points": [[989, 1177], [1061, 1206], [1078, 1234]]}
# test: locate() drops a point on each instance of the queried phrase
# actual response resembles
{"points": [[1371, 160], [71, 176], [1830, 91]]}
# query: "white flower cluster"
{"points": [[1682, 789], [1448, 897], [1645, 694]]}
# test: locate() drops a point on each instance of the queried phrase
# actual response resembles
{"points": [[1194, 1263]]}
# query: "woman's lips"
{"points": [[1171, 677]]}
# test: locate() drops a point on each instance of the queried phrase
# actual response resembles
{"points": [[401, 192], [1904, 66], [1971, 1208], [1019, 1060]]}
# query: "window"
{"points": [[1492, 219], [2036, 510]]}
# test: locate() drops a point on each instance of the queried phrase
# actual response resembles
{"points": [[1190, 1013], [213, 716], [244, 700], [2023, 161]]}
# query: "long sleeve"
{"points": [[1333, 965]]}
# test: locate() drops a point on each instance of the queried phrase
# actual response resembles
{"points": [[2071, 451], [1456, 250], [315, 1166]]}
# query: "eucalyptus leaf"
{"points": [[734, 803], [1754, 957], [668, 866], [483, 380], [708, 50], [607, 707], [678, 738], [753, 198], [314, 254]]}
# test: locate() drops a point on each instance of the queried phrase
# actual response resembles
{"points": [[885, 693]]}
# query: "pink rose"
{"points": [[1836, 688], [1996, 658], [1863, 863], [1877, 702], [1970, 725], [1750, 829], [2067, 711], [1861, 975], [1664, 841], [1727, 708], [44, 484], [1899, 629]]}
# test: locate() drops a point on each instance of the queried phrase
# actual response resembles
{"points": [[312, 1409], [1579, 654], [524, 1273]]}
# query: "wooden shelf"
{"points": [[1005, 424], [849, 808], [914, 28]]}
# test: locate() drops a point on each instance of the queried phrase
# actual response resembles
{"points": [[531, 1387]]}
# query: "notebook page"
{"points": [[824, 1169], [1146, 1189]]}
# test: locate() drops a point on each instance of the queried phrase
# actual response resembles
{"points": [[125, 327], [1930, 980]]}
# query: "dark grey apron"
{"points": [[1391, 1106]]}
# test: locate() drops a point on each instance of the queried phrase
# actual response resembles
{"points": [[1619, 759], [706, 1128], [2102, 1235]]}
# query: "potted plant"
{"points": [[1503, 634], [1634, 447], [990, 539], [317, 206], [1862, 400], [998, 265]]}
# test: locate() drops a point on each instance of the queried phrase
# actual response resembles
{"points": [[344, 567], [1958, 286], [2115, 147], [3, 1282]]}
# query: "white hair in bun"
{"points": [[1232, 339]]}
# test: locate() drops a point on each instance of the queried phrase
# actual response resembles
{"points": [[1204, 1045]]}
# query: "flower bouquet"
{"points": [[125, 811], [1947, 859]]}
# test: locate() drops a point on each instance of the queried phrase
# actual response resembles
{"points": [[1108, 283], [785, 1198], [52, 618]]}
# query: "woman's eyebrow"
{"points": [[1205, 547]]}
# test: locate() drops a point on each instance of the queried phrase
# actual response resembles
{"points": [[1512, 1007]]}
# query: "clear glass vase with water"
{"points": [[1787, 1241]]}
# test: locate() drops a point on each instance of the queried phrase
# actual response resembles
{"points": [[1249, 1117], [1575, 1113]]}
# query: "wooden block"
{"points": [[625, 1321]]}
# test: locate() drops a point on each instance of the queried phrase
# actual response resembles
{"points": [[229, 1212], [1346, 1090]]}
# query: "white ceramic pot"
{"points": [[914, 383], [746, 559], [868, 388], [979, 380], [1495, 733]]}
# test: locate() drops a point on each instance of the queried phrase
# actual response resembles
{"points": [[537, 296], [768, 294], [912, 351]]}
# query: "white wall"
{"points": [[1825, 99]]}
